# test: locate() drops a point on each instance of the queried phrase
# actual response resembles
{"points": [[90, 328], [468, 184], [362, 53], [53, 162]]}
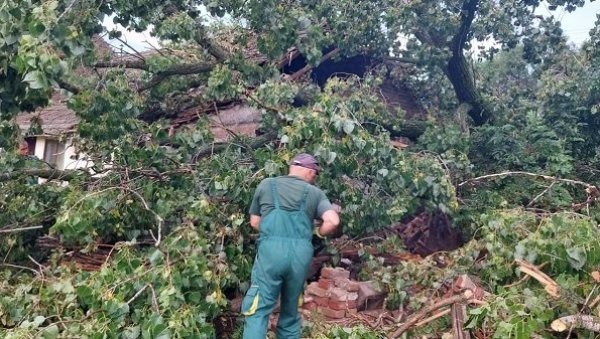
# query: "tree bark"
{"points": [[411, 129], [222, 146], [183, 69], [459, 73], [463, 82], [588, 322]]}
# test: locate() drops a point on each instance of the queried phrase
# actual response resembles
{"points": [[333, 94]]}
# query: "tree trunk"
{"points": [[462, 80], [458, 71]]}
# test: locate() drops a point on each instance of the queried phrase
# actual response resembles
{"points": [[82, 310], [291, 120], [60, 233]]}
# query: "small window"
{"points": [[30, 146], [54, 153]]}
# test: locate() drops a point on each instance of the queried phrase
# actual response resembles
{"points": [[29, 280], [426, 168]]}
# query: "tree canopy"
{"points": [[490, 129]]}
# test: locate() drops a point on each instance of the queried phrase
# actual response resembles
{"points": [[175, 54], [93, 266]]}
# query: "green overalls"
{"points": [[281, 265]]}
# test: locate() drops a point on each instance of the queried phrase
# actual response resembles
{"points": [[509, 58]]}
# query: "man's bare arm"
{"points": [[331, 220], [255, 221]]}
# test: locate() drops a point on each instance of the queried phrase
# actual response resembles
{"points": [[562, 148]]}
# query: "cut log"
{"points": [[587, 322], [459, 317]]}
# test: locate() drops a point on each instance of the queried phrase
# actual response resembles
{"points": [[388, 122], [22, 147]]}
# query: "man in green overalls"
{"points": [[283, 210]]}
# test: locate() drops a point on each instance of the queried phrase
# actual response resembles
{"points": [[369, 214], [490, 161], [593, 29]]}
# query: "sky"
{"points": [[576, 26]]}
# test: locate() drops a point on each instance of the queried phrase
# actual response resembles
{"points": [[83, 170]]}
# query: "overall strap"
{"points": [[274, 193], [304, 197]]}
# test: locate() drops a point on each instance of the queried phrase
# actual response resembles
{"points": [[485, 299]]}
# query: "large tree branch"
{"points": [[467, 15], [50, 174], [68, 86], [411, 129], [309, 67], [178, 69], [209, 44], [394, 60], [182, 69], [123, 62], [222, 146], [589, 322]]}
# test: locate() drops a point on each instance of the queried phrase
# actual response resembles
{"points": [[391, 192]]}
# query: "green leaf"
{"points": [[50, 332], [348, 126], [132, 332], [35, 79], [576, 257], [155, 257], [37, 321], [36, 28]]}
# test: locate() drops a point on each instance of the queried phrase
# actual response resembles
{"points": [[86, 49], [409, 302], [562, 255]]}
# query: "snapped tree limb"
{"points": [[541, 176], [587, 322], [50, 174], [550, 285], [182, 69], [135, 63], [415, 318], [222, 146]]}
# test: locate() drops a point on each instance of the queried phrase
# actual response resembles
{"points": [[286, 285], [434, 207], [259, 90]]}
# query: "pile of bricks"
{"points": [[334, 295]]}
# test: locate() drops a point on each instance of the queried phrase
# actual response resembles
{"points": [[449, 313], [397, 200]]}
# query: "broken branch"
{"points": [[21, 229], [433, 317], [50, 174], [587, 322], [309, 67], [546, 177], [415, 318], [550, 285]]}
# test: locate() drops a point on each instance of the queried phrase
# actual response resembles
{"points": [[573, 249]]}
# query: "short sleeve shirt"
{"points": [[289, 190]]}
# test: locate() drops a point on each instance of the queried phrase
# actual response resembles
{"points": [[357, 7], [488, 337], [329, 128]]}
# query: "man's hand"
{"points": [[330, 222], [255, 221]]}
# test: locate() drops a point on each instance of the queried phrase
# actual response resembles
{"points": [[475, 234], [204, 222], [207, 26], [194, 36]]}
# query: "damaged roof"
{"points": [[55, 119]]}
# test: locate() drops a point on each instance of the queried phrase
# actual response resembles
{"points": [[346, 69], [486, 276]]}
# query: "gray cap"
{"points": [[307, 161]]}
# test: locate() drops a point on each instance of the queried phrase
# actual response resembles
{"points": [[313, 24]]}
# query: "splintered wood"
{"points": [[550, 286], [464, 291]]}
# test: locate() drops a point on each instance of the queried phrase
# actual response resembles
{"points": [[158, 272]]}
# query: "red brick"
{"points": [[342, 283], [334, 273], [314, 289], [310, 306], [353, 286], [341, 305], [338, 294], [332, 314], [321, 301], [325, 283]]}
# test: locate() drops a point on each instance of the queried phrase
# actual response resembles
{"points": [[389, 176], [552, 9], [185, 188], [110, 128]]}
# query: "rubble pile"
{"points": [[336, 296]]}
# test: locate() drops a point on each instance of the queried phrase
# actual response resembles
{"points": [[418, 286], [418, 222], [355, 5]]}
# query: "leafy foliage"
{"points": [[173, 205]]}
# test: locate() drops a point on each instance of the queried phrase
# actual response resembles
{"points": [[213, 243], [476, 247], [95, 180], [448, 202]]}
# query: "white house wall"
{"points": [[70, 159]]}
